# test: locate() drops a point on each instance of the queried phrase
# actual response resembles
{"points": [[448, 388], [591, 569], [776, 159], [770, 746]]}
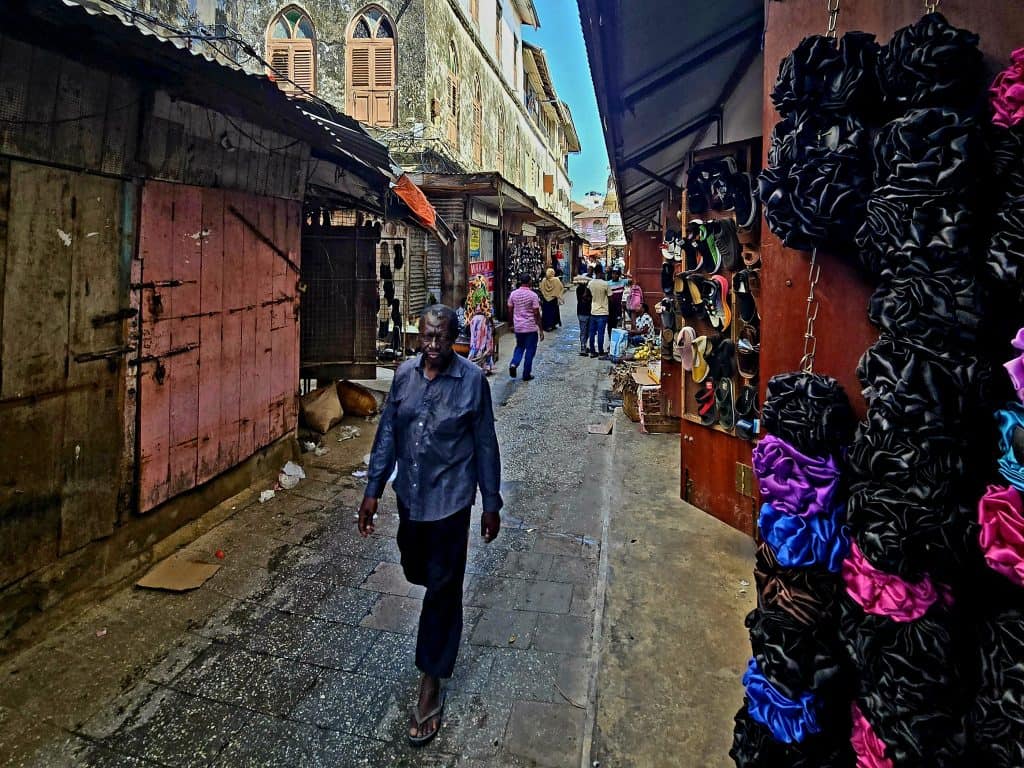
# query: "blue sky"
{"points": [[562, 40]]}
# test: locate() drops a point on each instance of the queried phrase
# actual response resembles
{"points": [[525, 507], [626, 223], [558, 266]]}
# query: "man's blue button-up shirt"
{"points": [[441, 434]]}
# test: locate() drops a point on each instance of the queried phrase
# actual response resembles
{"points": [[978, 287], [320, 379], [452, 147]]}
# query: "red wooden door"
{"points": [[218, 300]]}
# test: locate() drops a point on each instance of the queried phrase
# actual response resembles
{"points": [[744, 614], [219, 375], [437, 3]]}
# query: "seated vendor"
{"points": [[643, 327]]}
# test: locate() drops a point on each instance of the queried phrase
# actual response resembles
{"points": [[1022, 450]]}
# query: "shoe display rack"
{"points": [[715, 289]]}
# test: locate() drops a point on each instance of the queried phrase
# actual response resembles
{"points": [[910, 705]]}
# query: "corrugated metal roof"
{"points": [[112, 38]]}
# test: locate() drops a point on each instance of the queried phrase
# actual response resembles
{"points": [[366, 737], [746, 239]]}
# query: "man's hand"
{"points": [[490, 524], [542, 335], [366, 512]]}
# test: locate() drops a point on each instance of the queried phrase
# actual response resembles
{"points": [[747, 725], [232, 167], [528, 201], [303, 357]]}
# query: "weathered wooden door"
{"points": [[63, 292], [219, 364]]}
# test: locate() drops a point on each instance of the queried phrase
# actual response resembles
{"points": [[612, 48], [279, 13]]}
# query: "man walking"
{"points": [[438, 426], [524, 305], [583, 301], [599, 292]]}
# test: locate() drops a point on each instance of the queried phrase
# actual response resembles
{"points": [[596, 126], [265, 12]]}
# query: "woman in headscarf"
{"points": [[551, 296], [481, 330]]}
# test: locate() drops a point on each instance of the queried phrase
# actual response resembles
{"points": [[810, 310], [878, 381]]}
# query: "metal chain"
{"points": [[810, 340], [833, 17]]}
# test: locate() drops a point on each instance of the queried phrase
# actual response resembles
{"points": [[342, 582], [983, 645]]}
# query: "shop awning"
{"points": [[361, 168], [493, 190], [662, 70]]}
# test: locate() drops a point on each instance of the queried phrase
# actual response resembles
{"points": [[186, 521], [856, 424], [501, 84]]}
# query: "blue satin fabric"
{"points": [[1009, 419], [799, 541], [789, 721]]}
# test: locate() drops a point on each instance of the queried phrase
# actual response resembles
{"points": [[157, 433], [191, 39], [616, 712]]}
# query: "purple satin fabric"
{"points": [[1015, 368], [870, 749], [1007, 93], [1001, 517], [792, 482], [884, 594]]}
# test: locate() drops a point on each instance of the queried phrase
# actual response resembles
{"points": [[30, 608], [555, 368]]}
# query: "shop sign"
{"points": [[481, 268], [529, 230], [474, 243]]}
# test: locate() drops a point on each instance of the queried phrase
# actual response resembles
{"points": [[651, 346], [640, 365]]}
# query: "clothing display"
{"points": [[883, 156]]}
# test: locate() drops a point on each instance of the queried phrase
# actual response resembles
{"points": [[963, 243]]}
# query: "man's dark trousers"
{"points": [[434, 556], [526, 345]]}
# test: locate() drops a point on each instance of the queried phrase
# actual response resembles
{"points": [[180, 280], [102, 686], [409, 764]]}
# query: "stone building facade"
{"points": [[462, 94]]}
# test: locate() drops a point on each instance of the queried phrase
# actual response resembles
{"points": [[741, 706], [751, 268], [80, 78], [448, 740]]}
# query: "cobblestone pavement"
{"points": [[299, 651]]}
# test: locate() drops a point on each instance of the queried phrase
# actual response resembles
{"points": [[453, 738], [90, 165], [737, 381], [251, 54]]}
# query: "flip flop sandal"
{"points": [[706, 409], [438, 712], [725, 404], [746, 403]]}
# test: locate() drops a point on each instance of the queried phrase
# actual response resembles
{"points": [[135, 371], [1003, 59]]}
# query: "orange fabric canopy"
{"points": [[413, 197]]}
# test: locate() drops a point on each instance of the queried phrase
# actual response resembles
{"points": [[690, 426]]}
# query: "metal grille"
{"points": [[339, 306]]}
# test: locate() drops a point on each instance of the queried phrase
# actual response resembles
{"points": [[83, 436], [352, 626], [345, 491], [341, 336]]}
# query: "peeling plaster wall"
{"points": [[424, 29], [446, 22]]}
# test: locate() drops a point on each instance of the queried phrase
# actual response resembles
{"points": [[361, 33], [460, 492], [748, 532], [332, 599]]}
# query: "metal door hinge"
{"points": [[744, 480]]}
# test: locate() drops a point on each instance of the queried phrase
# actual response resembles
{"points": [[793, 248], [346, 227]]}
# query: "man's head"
{"points": [[524, 279], [645, 308], [616, 274], [439, 327], [598, 270]]}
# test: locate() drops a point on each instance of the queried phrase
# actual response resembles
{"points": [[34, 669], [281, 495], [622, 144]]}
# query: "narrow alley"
{"points": [[299, 651]]}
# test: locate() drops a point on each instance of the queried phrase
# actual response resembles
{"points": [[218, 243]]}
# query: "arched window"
{"points": [[499, 152], [453, 97], [478, 124], [291, 49], [371, 68]]}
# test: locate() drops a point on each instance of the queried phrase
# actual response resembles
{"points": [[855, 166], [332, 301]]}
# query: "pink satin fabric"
{"points": [[1007, 93], [884, 594], [1001, 516], [870, 749]]}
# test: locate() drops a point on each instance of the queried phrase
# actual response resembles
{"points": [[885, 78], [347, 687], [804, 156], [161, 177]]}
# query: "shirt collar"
{"points": [[454, 369]]}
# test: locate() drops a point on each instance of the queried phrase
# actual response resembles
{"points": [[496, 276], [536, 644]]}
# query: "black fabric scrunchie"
{"points": [[908, 531], [925, 154], [810, 412], [808, 595], [915, 383], [826, 75], [803, 132], [931, 63], [754, 747], [900, 239], [909, 690], [818, 202], [900, 459], [997, 717], [932, 310], [1004, 261], [793, 656], [1006, 160]]}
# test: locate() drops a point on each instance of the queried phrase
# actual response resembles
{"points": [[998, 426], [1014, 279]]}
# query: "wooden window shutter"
{"points": [[549, 184], [304, 69], [478, 133], [359, 74], [384, 66]]}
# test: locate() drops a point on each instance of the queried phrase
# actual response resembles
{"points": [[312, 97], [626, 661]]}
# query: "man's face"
{"points": [[435, 343]]}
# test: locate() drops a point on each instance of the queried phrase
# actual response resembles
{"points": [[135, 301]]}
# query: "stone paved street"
{"points": [[299, 651]]}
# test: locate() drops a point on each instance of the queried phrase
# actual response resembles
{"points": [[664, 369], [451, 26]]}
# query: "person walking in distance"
{"points": [[438, 426], [599, 293], [583, 301], [524, 305]]}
